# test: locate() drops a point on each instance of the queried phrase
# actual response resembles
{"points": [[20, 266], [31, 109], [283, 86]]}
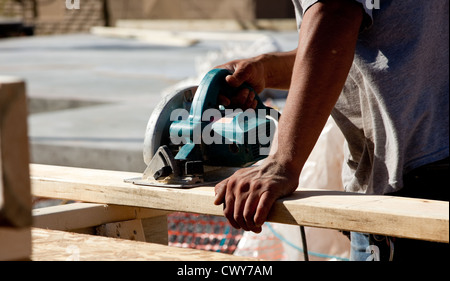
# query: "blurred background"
{"points": [[43, 17], [94, 72], [96, 69]]}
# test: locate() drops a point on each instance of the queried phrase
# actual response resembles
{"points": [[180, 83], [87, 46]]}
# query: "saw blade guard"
{"points": [[157, 131]]}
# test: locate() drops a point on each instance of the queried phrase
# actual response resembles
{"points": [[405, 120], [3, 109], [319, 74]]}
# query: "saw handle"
{"points": [[213, 85], [230, 92]]}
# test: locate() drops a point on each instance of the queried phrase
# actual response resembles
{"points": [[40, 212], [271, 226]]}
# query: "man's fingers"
{"points": [[262, 210], [228, 210], [249, 212], [241, 97], [220, 190], [236, 79], [251, 102], [238, 216], [223, 100]]}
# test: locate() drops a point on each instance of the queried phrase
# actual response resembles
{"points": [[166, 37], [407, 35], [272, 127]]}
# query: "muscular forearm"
{"points": [[322, 61], [278, 69], [327, 42]]}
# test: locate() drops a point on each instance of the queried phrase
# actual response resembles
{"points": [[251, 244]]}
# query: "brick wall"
{"points": [[55, 18], [200, 9], [16, 9], [52, 16]]}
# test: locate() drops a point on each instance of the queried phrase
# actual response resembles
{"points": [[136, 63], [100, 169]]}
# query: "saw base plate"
{"points": [[145, 182], [212, 176]]}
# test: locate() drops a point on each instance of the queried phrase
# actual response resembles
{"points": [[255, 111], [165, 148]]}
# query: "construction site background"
{"points": [[47, 17], [95, 74]]}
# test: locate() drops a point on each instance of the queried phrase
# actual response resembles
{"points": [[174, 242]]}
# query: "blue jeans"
{"points": [[369, 247], [429, 182], [360, 248]]}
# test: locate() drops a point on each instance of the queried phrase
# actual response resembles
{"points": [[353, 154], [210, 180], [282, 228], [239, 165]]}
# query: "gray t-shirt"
{"points": [[394, 108]]}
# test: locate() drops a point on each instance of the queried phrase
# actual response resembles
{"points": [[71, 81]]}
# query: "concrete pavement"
{"points": [[91, 97]]}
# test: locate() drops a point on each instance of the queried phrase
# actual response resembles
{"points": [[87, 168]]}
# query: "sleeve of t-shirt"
{"points": [[301, 6]]}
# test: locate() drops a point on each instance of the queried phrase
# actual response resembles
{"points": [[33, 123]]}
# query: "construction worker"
{"points": [[380, 68]]}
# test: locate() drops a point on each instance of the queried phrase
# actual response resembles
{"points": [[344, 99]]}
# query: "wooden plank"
{"points": [[54, 245], [131, 230], [15, 243], [155, 37], [123, 222], [386, 215], [82, 215], [165, 37], [156, 230], [153, 230], [15, 194], [220, 25]]}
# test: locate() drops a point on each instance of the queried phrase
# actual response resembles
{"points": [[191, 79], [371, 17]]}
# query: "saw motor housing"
{"points": [[212, 135]]}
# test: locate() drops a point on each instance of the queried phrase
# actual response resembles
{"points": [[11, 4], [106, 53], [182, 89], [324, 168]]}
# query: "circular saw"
{"points": [[191, 139]]}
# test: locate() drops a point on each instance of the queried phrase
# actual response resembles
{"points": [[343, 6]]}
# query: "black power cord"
{"points": [[304, 244]]}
